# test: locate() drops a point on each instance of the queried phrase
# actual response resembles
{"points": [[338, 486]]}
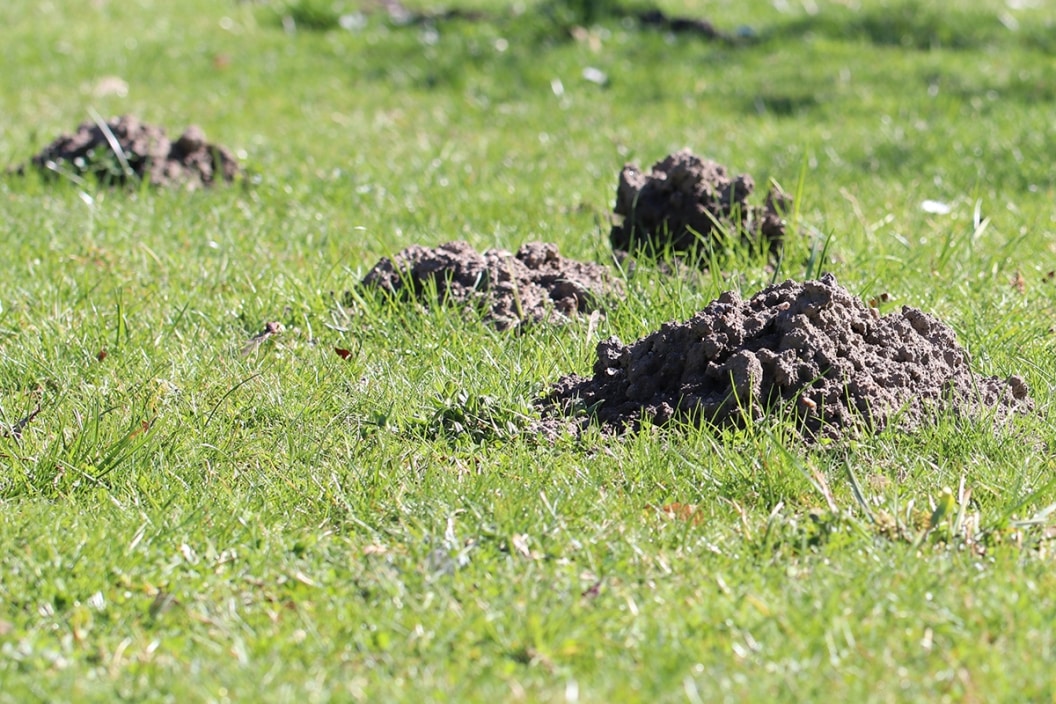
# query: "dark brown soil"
{"points": [[534, 285], [128, 150], [688, 205], [810, 350]]}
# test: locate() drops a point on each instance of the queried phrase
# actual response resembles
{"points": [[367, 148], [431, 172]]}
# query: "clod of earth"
{"points": [[125, 149], [809, 350], [688, 205], [536, 284]]}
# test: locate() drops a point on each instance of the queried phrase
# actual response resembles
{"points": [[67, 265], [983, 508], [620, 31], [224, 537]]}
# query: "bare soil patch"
{"points": [[125, 149], [534, 285], [690, 205], [809, 349]]}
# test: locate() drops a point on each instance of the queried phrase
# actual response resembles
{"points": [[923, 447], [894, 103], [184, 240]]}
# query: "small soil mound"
{"points": [[687, 204], [534, 285], [808, 349], [125, 149]]}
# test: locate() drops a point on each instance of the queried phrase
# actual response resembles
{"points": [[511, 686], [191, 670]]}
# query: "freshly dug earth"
{"points": [[807, 349], [685, 204], [534, 285], [128, 149]]}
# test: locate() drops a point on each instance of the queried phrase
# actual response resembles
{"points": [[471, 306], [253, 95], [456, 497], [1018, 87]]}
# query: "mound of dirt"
{"points": [[125, 149], [686, 202], [534, 285], [807, 349]]}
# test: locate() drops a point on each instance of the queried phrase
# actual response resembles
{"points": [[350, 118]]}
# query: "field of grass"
{"points": [[184, 522]]}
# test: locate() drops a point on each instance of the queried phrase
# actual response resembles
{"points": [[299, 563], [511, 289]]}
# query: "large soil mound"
{"points": [[534, 285], [810, 349], [125, 149], [686, 204]]}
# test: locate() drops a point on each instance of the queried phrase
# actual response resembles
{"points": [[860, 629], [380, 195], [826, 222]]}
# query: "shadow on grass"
{"points": [[918, 26], [552, 19]]}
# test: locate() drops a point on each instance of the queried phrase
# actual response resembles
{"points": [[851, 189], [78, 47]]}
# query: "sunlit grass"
{"points": [[183, 521]]}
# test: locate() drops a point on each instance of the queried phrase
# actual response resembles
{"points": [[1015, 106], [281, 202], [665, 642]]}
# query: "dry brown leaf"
{"points": [[1019, 283], [677, 511]]}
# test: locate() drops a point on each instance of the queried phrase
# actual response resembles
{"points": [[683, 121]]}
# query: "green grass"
{"points": [[181, 522]]}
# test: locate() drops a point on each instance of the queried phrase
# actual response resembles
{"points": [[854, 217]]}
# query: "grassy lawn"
{"points": [[184, 522]]}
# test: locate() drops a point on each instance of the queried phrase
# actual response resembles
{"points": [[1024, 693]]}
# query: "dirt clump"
{"points": [[534, 285], [809, 349], [688, 205], [125, 149]]}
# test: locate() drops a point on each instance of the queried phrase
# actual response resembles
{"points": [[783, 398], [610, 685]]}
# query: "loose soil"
{"points": [[809, 350], [689, 205], [534, 285], [128, 149]]}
